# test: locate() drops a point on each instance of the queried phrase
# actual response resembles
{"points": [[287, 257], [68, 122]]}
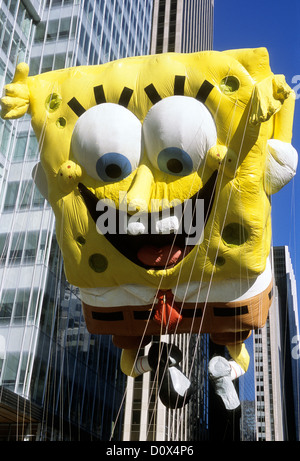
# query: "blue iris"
{"points": [[175, 161], [113, 167]]}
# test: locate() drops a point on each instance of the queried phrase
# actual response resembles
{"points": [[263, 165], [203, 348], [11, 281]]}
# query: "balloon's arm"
{"points": [[283, 123], [268, 97], [15, 102]]}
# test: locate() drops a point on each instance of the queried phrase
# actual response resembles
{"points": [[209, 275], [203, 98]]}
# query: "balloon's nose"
{"points": [[139, 194]]}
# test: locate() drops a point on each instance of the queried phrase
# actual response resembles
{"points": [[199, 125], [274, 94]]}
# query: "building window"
{"points": [[14, 49], [11, 369], [20, 147], [59, 61], [42, 247], [25, 194], [20, 253], [12, 6], [7, 38], [6, 306], [160, 26], [136, 408], [4, 239], [31, 246], [4, 144], [21, 306], [16, 250], [11, 196], [38, 200], [64, 28], [26, 24], [172, 27], [40, 32], [34, 66], [52, 30], [30, 196], [32, 148], [33, 306], [47, 63]]}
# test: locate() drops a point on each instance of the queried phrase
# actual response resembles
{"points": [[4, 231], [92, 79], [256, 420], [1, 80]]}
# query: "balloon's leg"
{"points": [[175, 388], [240, 359], [222, 372], [131, 364]]}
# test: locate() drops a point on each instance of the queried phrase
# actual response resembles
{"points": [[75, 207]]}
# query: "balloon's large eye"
{"points": [[106, 141], [113, 167], [177, 133], [175, 160]]}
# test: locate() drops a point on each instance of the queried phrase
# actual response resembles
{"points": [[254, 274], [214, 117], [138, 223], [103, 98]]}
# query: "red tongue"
{"points": [[159, 257]]}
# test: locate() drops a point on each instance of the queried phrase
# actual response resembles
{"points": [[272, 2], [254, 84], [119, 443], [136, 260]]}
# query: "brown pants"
{"points": [[227, 323]]}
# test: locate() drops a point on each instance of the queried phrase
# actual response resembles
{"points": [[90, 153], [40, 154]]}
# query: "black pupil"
{"points": [[174, 165], [113, 171]]}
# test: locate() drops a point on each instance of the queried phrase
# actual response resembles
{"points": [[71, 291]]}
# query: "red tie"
{"points": [[167, 313]]}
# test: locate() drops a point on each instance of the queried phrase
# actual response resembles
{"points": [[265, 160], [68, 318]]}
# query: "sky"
{"points": [[273, 24]]}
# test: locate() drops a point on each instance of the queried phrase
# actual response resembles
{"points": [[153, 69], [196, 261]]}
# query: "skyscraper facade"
{"points": [[47, 357], [183, 26], [276, 366], [286, 294]]}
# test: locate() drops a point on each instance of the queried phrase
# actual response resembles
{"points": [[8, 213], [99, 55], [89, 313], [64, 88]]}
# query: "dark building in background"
{"points": [[288, 347], [272, 383]]}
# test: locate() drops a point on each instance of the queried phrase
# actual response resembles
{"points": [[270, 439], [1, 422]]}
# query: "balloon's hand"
{"points": [[15, 103], [268, 96]]}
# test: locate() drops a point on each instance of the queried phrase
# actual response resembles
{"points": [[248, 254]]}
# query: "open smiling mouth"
{"points": [[156, 250]]}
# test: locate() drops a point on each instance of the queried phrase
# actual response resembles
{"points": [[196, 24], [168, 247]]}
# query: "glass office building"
{"points": [[68, 380]]}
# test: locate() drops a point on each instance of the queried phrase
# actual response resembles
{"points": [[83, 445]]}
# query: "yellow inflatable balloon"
{"points": [[159, 170]]}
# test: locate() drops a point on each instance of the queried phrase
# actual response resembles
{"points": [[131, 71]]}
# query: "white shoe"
{"points": [[219, 371]]}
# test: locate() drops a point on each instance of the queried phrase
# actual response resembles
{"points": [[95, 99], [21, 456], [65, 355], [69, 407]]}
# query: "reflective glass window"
{"points": [[4, 239], [20, 147], [6, 306], [21, 305], [64, 28], [11, 196], [16, 250], [47, 63], [37, 199], [59, 61], [4, 142], [52, 30], [25, 194], [40, 32], [32, 148], [30, 248]]}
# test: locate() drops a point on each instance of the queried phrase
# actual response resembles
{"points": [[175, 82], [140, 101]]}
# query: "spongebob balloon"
{"points": [[159, 170]]}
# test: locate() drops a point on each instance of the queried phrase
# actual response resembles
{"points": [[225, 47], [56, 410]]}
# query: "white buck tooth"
{"points": [[167, 225], [136, 228]]}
